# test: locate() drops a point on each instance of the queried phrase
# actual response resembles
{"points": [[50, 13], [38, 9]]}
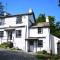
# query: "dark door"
{"points": [[10, 35], [31, 46], [58, 48]]}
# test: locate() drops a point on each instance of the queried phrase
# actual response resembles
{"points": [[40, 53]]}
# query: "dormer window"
{"points": [[1, 21], [19, 19], [40, 30]]}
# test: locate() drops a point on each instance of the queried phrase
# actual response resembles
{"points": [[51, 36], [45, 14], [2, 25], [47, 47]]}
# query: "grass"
{"points": [[45, 56]]}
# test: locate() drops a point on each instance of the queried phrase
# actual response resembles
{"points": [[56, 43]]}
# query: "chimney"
{"points": [[5, 14], [30, 10], [47, 19]]}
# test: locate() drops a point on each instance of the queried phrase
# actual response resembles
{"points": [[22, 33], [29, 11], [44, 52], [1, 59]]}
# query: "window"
{"points": [[18, 33], [40, 43], [40, 30], [19, 19], [1, 33], [1, 21]]}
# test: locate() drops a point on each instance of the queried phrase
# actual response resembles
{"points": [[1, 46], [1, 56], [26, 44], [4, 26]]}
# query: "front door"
{"points": [[10, 35], [58, 48], [31, 46]]}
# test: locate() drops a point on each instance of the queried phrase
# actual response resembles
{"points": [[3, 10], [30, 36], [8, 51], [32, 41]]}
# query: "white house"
{"points": [[19, 30]]}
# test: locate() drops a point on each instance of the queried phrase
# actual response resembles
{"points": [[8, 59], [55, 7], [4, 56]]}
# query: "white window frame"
{"points": [[18, 33], [40, 43]]}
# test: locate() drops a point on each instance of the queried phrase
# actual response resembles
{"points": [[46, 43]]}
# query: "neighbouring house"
{"points": [[24, 34]]}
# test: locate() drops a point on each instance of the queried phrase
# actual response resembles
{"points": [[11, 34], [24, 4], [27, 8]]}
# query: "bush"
{"points": [[43, 56], [42, 52], [6, 44]]}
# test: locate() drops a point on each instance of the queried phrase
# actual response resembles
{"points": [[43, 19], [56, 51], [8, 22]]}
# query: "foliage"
{"points": [[1, 9], [6, 45], [42, 52], [42, 56], [47, 56], [41, 18], [9, 45], [54, 27], [16, 49]]}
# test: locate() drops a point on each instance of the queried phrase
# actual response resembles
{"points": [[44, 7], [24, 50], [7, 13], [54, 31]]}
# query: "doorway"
{"points": [[9, 35], [31, 46]]}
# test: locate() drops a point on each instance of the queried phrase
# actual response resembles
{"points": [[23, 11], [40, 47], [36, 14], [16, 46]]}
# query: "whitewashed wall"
{"points": [[45, 38], [20, 42], [54, 41]]}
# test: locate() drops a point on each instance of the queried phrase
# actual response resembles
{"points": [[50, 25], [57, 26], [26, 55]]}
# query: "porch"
{"points": [[7, 35], [31, 44]]}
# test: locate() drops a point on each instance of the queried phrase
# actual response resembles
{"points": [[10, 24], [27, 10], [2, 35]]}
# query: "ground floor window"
{"points": [[18, 33], [40, 43], [1, 33]]}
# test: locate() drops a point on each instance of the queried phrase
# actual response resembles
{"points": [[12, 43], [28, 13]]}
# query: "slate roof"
{"points": [[42, 24]]}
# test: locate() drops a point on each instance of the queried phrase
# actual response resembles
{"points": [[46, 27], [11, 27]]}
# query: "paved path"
{"points": [[14, 55]]}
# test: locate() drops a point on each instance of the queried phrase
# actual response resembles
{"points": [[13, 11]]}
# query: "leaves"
{"points": [[41, 18]]}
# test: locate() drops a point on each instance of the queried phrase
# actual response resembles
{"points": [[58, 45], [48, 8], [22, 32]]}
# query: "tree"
{"points": [[58, 2], [58, 25], [52, 24], [41, 18], [1, 9]]}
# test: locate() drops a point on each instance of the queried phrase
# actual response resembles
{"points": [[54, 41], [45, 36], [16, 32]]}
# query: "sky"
{"points": [[49, 7]]}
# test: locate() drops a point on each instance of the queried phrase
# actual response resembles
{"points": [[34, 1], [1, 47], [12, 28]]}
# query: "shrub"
{"points": [[43, 56], [6, 44], [42, 52]]}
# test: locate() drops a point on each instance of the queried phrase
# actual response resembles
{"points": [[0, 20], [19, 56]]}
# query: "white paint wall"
{"points": [[54, 41], [34, 32], [46, 32], [20, 42]]}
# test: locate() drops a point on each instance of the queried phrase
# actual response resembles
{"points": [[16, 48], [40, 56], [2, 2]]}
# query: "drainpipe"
{"points": [[25, 36]]}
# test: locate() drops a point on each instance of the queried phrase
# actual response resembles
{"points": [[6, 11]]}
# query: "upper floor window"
{"points": [[40, 43], [18, 33], [1, 33], [19, 19], [40, 30], [1, 21]]}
